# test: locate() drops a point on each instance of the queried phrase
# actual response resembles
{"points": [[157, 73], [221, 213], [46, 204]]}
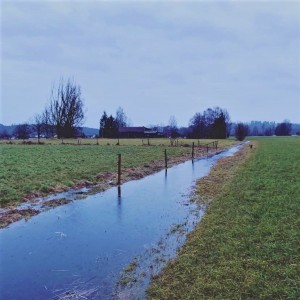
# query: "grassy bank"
{"points": [[247, 245], [32, 168]]}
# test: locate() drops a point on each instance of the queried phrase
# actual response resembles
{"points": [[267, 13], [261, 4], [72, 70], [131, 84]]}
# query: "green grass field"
{"points": [[38, 168], [248, 244]]}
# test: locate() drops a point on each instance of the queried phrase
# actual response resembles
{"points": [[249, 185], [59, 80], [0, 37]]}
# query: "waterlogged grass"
{"points": [[247, 245], [28, 168]]}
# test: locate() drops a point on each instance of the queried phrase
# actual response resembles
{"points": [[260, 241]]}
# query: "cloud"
{"points": [[155, 59]]}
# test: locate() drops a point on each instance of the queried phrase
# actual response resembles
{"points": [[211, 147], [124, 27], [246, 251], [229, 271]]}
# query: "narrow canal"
{"points": [[81, 248]]}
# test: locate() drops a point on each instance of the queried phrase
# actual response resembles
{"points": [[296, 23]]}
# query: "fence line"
{"points": [[214, 145]]}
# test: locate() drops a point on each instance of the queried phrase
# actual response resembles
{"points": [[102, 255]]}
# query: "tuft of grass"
{"points": [[127, 281], [131, 267], [247, 245], [128, 277]]}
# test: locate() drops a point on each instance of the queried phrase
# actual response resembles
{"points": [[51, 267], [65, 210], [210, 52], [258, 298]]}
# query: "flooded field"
{"points": [[99, 247]]}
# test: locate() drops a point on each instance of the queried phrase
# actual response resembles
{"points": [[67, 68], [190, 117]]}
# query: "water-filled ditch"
{"points": [[80, 249]]}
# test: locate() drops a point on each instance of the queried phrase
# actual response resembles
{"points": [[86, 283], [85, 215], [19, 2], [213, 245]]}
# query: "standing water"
{"points": [[83, 246]]}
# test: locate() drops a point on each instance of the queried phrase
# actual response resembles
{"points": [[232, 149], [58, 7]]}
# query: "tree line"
{"points": [[64, 115], [259, 128], [212, 123]]}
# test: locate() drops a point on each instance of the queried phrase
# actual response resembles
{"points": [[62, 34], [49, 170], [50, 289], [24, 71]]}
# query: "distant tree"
{"points": [[184, 131], [108, 126], [66, 108], [241, 131], [295, 129], [5, 135], [255, 131], [22, 131], [259, 128], [38, 125], [121, 118], [219, 127], [103, 121], [173, 129], [213, 123], [197, 126], [270, 130], [283, 128], [48, 129], [227, 122], [111, 127]]}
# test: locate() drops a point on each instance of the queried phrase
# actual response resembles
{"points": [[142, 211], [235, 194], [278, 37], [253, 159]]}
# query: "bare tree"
{"points": [[48, 128], [173, 127], [22, 131], [65, 108], [38, 125], [121, 118]]}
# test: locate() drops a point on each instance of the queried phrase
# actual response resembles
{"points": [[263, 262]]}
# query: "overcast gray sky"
{"points": [[153, 58]]}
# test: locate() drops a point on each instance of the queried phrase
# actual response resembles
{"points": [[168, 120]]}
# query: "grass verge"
{"points": [[247, 245]]}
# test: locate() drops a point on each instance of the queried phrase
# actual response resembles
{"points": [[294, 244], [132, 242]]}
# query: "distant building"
{"points": [[137, 132]]}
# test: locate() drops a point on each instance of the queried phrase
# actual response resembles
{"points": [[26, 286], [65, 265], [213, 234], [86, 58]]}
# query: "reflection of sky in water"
{"points": [[87, 243]]}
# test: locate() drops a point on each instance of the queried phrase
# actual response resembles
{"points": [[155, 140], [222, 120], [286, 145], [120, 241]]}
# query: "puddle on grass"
{"points": [[80, 250]]}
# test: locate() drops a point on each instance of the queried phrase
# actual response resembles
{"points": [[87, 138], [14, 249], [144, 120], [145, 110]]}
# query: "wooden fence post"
{"points": [[206, 148], [193, 150], [119, 169], [216, 146], [166, 159], [148, 142]]}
